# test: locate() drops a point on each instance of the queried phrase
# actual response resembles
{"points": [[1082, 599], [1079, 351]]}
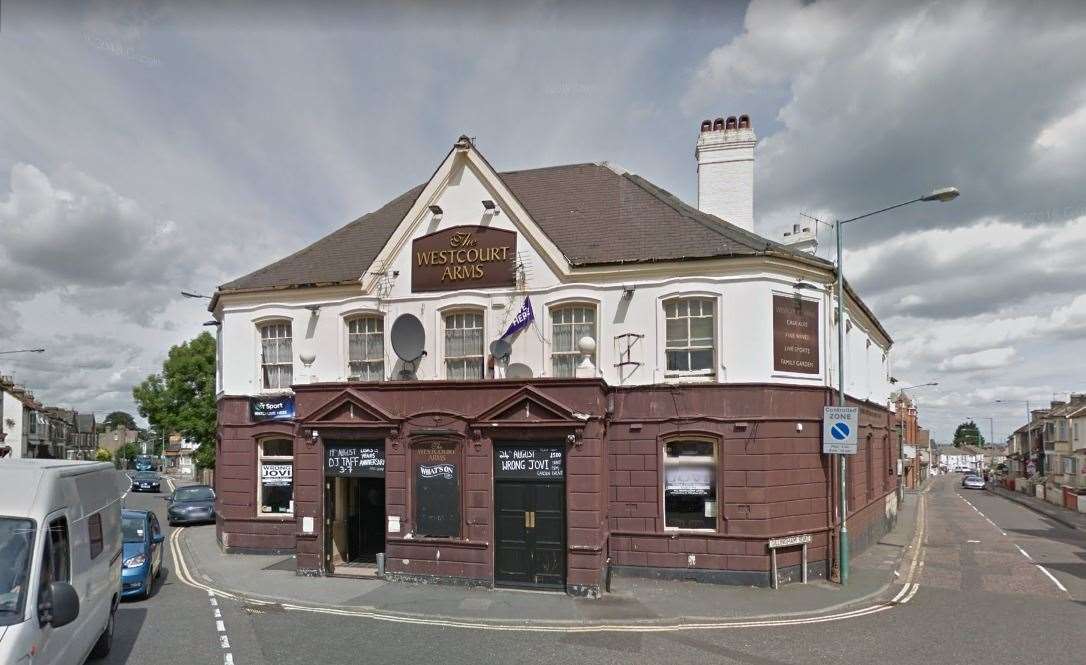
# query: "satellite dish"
{"points": [[408, 337], [518, 371], [501, 349]]}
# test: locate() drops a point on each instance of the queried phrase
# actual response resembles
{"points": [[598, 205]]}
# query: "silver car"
{"points": [[972, 482]]}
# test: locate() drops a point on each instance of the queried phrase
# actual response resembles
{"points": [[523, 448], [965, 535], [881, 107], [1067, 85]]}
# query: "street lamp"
{"points": [[941, 195], [190, 294], [4, 353]]}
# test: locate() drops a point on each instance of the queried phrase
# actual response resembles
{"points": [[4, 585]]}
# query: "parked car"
{"points": [[142, 558], [60, 559], [973, 482], [146, 481], [191, 504]]}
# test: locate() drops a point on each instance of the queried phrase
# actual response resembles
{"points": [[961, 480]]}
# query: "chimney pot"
{"points": [[725, 159]]}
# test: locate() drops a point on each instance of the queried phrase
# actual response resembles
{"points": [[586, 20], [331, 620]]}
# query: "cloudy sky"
{"points": [[149, 147]]}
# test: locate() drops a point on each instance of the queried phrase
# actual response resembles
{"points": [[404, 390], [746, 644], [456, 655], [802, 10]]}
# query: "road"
{"points": [[997, 584]]}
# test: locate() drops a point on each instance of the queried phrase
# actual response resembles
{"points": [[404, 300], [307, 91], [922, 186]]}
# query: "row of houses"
{"points": [[1047, 455], [30, 429], [916, 441]]}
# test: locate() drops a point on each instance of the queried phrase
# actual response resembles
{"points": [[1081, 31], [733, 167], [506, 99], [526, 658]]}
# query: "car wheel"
{"points": [[105, 640]]}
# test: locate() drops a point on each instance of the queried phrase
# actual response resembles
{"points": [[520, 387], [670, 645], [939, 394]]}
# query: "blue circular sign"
{"points": [[839, 430]]}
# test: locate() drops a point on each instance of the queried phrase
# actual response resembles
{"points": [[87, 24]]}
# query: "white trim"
{"points": [[440, 371], [717, 480], [546, 326], [716, 374], [272, 459]]}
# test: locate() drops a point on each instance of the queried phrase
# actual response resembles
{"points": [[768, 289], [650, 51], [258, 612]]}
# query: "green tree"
{"points": [[181, 398], [968, 434], [119, 418], [126, 454], [103, 455]]}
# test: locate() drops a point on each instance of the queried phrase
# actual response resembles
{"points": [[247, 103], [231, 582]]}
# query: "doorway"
{"points": [[530, 517], [354, 507]]}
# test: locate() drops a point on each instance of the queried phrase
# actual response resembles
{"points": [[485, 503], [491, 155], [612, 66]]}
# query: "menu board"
{"points": [[688, 480], [529, 463], [795, 335], [357, 460], [437, 490]]}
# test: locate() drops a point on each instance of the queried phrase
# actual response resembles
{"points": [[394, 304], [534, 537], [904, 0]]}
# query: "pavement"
{"points": [[637, 601], [1071, 519]]}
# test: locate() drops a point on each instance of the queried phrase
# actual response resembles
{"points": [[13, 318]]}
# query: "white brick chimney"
{"points": [[725, 154]]}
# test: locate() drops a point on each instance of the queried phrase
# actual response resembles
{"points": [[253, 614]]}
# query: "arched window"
{"points": [[276, 485], [569, 323], [366, 349], [464, 345], [276, 355], [690, 336]]}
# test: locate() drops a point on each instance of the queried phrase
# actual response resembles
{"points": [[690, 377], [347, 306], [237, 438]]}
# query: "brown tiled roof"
{"points": [[595, 215]]}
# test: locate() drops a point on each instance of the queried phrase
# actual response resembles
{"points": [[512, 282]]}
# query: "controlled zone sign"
{"points": [[839, 425]]}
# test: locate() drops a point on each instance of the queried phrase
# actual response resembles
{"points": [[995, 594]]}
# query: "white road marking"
{"points": [[908, 590], [972, 541], [1053, 578], [1024, 553], [220, 626], [214, 602], [227, 659], [224, 641], [217, 613], [169, 481]]}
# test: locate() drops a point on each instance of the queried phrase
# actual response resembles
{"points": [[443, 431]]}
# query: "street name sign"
{"points": [[839, 426], [789, 541]]}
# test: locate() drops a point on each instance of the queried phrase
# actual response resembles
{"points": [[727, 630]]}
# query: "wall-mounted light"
{"points": [[436, 209], [314, 310], [491, 207], [213, 323], [628, 291]]}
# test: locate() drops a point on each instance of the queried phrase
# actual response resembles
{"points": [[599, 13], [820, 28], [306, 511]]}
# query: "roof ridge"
{"points": [[547, 168]]}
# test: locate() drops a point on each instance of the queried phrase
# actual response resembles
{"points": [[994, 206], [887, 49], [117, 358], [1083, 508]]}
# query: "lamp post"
{"points": [[4, 353], [942, 195]]}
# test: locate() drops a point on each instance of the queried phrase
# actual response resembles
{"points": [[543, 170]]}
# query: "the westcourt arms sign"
{"points": [[464, 257]]}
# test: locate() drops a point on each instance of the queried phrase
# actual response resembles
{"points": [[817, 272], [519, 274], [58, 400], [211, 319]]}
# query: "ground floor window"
{"points": [[690, 500], [276, 486]]}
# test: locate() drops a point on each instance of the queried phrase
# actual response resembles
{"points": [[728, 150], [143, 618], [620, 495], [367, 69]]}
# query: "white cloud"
{"points": [[987, 359]]}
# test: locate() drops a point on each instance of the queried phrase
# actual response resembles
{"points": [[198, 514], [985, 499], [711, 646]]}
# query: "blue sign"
{"points": [[840, 430], [524, 316], [280, 407]]}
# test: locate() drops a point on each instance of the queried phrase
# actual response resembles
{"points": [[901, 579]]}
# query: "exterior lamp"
{"points": [[941, 195]]}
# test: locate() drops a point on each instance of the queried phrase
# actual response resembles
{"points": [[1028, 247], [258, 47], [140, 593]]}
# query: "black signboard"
{"points": [[529, 463], [280, 407], [357, 460], [437, 491]]}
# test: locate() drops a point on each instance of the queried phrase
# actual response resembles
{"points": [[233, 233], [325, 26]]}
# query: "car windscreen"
{"points": [[193, 494], [146, 476], [133, 529], [16, 543]]}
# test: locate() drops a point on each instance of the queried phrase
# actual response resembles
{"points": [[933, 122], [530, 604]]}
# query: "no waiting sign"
{"points": [[839, 425]]}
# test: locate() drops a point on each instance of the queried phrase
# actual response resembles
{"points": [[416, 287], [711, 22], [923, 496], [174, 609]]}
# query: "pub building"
{"points": [[538, 378]]}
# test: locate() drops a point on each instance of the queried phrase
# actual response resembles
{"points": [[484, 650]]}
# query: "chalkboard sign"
{"points": [[529, 463], [358, 460], [437, 491]]}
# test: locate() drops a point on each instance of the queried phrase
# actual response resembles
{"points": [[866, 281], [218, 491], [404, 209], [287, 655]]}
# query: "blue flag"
{"points": [[522, 319]]}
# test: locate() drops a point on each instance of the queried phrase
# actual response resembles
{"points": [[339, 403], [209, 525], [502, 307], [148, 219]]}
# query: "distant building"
{"points": [[114, 439]]}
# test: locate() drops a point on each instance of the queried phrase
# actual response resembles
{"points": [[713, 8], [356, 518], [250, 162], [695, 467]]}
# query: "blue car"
{"points": [[142, 553]]}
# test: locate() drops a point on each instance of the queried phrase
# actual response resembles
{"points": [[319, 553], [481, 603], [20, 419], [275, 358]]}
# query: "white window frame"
{"points": [[446, 358], [261, 325], [705, 375], [714, 461], [555, 309], [356, 319], [261, 459]]}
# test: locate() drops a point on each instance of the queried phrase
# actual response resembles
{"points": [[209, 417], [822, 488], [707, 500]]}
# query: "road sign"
{"points": [[839, 425]]}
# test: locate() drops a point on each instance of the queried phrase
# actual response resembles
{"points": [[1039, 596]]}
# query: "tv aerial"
{"points": [[408, 339]]}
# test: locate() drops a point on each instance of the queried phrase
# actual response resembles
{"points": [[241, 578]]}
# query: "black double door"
{"points": [[530, 526]]}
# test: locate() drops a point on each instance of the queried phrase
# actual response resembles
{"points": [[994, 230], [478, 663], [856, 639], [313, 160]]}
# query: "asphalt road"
{"points": [[980, 600]]}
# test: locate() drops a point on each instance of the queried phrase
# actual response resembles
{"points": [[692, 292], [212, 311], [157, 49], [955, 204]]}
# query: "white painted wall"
{"points": [[13, 410], [726, 175], [742, 289]]}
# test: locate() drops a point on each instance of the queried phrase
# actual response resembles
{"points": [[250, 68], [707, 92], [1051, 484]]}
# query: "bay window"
{"points": [[690, 471]]}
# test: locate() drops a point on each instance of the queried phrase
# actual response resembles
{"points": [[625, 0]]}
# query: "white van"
{"points": [[60, 559]]}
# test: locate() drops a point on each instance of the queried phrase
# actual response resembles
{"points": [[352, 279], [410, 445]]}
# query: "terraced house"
{"points": [[526, 378]]}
